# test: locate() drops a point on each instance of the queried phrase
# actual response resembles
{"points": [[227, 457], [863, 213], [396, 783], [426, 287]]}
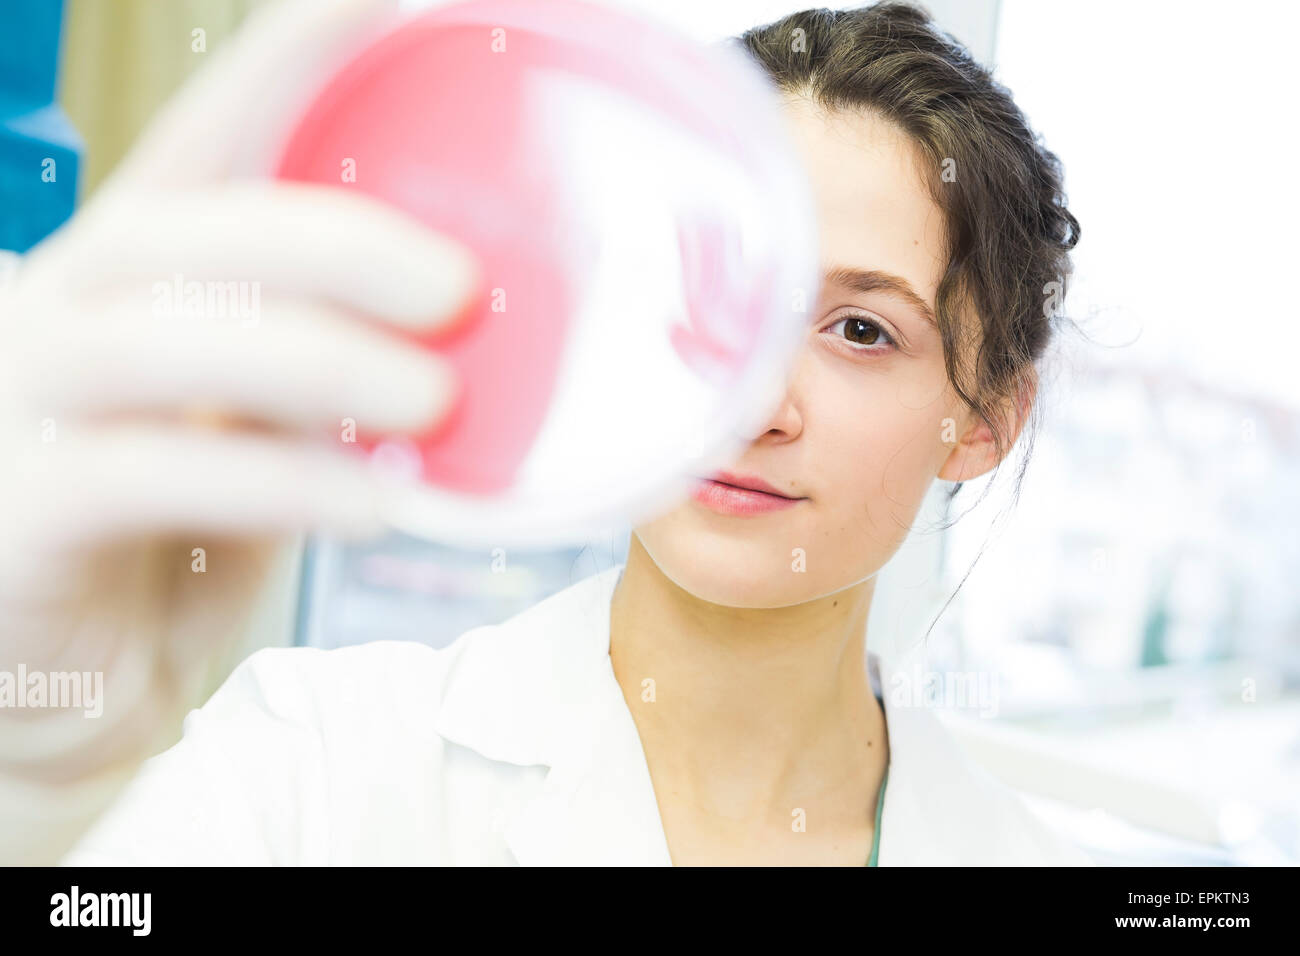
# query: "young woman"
{"points": [[712, 700]]}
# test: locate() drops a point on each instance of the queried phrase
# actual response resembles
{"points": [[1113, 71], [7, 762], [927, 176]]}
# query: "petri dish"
{"points": [[648, 249]]}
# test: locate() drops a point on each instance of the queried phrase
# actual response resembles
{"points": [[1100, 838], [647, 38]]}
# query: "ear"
{"points": [[976, 453]]}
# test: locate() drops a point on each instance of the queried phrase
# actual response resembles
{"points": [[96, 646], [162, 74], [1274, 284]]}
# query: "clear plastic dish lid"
{"points": [[648, 250]]}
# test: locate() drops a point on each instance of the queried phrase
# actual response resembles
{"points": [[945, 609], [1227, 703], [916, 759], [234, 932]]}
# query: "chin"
{"points": [[753, 570]]}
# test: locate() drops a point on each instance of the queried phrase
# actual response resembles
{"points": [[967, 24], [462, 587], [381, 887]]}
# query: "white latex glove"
{"points": [[130, 438]]}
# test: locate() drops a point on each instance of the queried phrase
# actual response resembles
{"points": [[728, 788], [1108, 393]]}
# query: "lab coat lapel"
{"points": [[597, 806], [940, 808], [540, 689], [907, 833]]}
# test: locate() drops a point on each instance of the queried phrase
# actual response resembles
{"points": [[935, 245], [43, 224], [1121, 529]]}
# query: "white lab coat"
{"points": [[513, 745]]}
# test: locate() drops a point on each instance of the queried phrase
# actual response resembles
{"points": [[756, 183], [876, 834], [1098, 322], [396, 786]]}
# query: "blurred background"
{"points": [[1124, 646]]}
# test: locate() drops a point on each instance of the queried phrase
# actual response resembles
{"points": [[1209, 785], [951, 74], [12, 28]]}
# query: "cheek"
{"points": [[871, 446], [881, 447]]}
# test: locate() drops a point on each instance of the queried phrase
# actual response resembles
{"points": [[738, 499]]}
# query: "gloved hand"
{"points": [[135, 433]]}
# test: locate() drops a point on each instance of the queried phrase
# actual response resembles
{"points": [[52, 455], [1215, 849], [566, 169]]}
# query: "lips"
{"points": [[741, 495], [750, 482]]}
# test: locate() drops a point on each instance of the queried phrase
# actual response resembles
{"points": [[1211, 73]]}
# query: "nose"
{"points": [[781, 419]]}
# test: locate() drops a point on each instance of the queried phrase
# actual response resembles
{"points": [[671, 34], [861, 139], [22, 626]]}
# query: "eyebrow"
{"points": [[864, 281]]}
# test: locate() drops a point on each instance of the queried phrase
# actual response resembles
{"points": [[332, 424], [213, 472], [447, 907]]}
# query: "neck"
{"points": [[752, 711]]}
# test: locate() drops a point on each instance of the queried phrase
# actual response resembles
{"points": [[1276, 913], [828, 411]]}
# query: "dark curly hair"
{"points": [[1009, 231]]}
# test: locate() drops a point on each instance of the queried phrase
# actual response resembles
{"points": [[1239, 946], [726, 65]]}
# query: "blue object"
{"points": [[40, 152]]}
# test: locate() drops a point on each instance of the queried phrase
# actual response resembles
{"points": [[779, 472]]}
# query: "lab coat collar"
{"points": [[539, 689]]}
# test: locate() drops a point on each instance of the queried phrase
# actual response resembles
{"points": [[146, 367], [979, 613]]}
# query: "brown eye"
{"points": [[863, 334], [861, 331]]}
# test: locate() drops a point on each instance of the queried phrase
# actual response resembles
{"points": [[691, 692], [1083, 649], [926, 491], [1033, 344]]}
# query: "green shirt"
{"points": [[875, 833]]}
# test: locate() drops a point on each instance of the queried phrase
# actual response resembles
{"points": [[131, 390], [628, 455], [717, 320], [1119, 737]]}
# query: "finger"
{"points": [[300, 366], [105, 483], [291, 236], [237, 105]]}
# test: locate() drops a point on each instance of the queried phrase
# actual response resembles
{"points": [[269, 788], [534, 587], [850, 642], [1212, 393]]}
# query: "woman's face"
{"points": [[869, 417]]}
